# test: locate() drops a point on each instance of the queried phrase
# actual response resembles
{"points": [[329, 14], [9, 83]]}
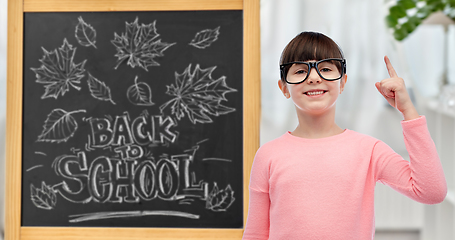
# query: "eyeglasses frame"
{"points": [[313, 65]]}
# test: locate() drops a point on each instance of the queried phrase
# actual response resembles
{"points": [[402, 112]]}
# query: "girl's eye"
{"points": [[301, 71], [325, 70]]}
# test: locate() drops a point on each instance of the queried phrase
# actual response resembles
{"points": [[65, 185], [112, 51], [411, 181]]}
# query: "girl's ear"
{"points": [[344, 79], [284, 88]]}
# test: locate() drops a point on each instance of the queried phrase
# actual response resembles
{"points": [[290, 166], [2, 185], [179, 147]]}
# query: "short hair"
{"points": [[310, 46]]}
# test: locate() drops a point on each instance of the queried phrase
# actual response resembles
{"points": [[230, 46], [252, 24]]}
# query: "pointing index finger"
{"points": [[390, 68]]}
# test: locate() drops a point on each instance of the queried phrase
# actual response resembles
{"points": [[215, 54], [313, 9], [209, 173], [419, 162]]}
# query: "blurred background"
{"points": [[424, 58]]}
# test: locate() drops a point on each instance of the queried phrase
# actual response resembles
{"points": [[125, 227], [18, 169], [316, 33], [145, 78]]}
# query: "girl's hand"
{"points": [[394, 91]]}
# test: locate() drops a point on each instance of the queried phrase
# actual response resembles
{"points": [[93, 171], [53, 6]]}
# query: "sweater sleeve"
{"points": [[422, 178], [257, 224]]}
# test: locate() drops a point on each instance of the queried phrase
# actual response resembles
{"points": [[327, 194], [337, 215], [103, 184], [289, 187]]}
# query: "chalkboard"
{"points": [[133, 119]]}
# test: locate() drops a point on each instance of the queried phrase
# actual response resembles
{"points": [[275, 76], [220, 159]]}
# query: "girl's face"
{"points": [[314, 96]]}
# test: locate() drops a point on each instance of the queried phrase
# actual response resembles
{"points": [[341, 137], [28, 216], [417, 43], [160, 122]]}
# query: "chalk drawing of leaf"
{"points": [[220, 200], [58, 71], [205, 38], [197, 95], [139, 45], [85, 34], [44, 198], [59, 126], [99, 90], [140, 94]]}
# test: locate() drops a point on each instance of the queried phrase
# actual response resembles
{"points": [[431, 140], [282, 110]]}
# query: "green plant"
{"points": [[405, 15]]}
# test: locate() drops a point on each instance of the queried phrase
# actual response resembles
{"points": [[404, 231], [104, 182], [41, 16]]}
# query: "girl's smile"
{"points": [[315, 93]]}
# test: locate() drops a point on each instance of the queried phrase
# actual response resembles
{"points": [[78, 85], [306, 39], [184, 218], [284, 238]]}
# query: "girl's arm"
{"points": [[421, 179], [257, 224]]}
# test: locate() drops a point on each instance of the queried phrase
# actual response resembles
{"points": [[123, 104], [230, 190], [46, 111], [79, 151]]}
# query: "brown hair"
{"points": [[310, 46]]}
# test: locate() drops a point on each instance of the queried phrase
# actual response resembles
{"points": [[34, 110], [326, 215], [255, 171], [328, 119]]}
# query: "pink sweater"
{"points": [[324, 188]]}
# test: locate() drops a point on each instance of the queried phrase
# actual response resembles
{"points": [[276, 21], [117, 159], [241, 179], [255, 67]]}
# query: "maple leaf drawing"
{"points": [[139, 45], [43, 197], [220, 200], [58, 71], [197, 95]]}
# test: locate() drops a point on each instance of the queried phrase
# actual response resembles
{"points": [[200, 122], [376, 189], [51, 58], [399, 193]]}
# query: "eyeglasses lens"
{"points": [[327, 69]]}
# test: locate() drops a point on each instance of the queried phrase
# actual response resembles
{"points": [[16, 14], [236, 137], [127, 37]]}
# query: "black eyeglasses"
{"points": [[330, 69]]}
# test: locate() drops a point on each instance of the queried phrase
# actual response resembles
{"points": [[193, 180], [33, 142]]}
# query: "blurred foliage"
{"points": [[405, 15]]}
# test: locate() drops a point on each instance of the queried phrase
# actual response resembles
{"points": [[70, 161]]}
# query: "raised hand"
{"points": [[394, 91]]}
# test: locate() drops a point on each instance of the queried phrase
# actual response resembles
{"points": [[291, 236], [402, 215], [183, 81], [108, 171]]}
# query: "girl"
{"points": [[317, 182]]}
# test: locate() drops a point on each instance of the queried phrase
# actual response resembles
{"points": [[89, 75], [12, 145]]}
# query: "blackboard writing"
{"points": [[133, 119]]}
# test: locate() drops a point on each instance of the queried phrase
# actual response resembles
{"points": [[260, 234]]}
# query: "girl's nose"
{"points": [[314, 77]]}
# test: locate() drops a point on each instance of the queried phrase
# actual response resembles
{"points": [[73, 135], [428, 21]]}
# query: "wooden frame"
{"points": [[251, 113]]}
